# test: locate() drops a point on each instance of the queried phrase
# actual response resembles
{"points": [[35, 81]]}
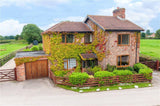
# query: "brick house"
{"points": [[120, 42]]}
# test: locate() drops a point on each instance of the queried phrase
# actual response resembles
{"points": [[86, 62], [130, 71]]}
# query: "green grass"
{"points": [[104, 88], [150, 48], [7, 48]]}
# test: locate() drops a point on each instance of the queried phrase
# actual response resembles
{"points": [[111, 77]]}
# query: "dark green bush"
{"points": [[78, 78], [122, 72], [34, 48], [139, 66], [130, 68], [60, 73], [110, 68], [94, 69], [40, 48], [102, 74]]}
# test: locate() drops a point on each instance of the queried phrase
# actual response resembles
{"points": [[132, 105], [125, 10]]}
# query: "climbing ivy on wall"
{"points": [[60, 51]]}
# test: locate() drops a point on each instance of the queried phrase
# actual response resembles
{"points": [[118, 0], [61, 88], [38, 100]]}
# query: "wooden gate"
{"points": [[7, 74], [36, 69]]}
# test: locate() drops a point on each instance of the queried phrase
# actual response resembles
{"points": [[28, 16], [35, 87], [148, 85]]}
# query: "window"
{"points": [[88, 38], [123, 60], [69, 38], [89, 63], [123, 39], [69, 63]]}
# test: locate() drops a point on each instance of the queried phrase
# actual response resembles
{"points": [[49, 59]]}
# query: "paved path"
{"points": [[42, 92], [9, 65]]}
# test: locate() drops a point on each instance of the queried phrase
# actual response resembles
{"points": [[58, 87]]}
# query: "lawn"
{"points": [[107, 88], [10, 47], [150, 48]]}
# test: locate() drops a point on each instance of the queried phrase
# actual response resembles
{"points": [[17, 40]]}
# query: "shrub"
{"points": [[122, 72], [130, 68], [78, 78], [34, 48], [146, 72], [102, 74], [94, 69], [111, 68], [139, 66], [40, 48], [60, 73]]}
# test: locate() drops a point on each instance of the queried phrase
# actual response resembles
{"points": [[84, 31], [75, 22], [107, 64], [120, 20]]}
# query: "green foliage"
{"points": [[78, 78], [143, 35], [34, 48], [40, 47], [158, 34], [148, 32], [130, 68], [95, 69], [139, 66], [122, 72], [111, 68], [60, 73], [102, 74], [146, 72], [31, 32]]}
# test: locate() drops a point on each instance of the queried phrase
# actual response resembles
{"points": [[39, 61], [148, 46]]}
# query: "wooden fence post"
{"points": [[15, 73], [157, 65]]}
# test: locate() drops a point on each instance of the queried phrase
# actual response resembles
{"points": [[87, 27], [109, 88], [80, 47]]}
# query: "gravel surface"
{"points": [[42, 92]]}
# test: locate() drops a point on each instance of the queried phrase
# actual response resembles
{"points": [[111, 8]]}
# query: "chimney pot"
{"points": [[120, 12]]}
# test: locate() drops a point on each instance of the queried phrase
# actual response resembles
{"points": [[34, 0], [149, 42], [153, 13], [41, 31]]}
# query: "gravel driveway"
{"points": [[42, 92]]}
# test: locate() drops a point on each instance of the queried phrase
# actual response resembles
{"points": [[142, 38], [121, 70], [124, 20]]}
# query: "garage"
{"points": [[31, 65], [36, 69]]}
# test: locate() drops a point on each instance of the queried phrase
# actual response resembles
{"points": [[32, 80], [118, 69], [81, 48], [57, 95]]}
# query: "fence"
{"points": [[7, 74], [11, 55], [98, 82]]}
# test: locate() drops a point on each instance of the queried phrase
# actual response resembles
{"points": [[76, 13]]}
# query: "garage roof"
{"points": [[30, 54]]}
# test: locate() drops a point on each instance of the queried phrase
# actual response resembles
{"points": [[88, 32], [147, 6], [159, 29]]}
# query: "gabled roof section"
{"points": [[109, 23], [69, 27]]}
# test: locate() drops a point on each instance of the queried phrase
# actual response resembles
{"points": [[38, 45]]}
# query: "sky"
{"points": [[14, 14]]}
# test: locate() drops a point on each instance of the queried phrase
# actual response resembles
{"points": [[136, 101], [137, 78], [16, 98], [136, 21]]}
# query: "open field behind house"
{"points": [[150, 48], [7, 48]]}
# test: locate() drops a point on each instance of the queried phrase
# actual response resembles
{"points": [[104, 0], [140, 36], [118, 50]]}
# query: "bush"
{"points": [[111, 68], [130, 68], [40, 48], [146, 72], [122, 72], [60, 73], [94, 69], [34, 48], [139, 66], [78, 78], [102, 74]]}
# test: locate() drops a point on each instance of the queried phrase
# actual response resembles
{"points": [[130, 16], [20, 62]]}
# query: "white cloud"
{"points": [[47, 26], [47, 3], [140, 12], [11, 27]]}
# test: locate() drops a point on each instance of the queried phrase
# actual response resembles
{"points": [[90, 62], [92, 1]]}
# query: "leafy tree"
{"points": [[158, 33], [1, 37], [143, 35], [31, 32], [148, 32]]}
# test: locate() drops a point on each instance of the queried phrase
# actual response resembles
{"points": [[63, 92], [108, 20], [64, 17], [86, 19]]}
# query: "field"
{"points": [[150, 48], [10, 47]]}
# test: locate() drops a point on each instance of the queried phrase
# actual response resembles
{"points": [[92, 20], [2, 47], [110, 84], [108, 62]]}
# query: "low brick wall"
{"points": [[20, 72], [95, 81]]}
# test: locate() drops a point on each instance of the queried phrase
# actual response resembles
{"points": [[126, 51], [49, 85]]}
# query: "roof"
{"points": [[69, 27], [113, 23], [88, 56], [30, 54]]}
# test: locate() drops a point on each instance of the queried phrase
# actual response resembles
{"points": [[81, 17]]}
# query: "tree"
{"points": [[143, 35], [17, 37], [148, 32], [158, 34], [31, 32], [1, 37]]}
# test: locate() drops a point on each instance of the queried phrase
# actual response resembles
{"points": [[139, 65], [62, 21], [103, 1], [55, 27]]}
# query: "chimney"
{"points": [[119, 12]]}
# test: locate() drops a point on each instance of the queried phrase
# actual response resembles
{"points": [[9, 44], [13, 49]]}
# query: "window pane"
{"points": [[63, 38], [119, 39], [87, 38], [118, 62], [125, 39], [90, 38], [65, 64], [69, 38], [125, 60], [71, 63]]}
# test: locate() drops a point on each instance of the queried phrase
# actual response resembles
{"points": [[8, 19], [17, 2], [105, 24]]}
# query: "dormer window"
{"points": [[69, 38], [88, 38]]}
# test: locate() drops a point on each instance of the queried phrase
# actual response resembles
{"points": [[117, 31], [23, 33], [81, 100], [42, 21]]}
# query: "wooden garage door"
{"points": [[36, 69]]}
